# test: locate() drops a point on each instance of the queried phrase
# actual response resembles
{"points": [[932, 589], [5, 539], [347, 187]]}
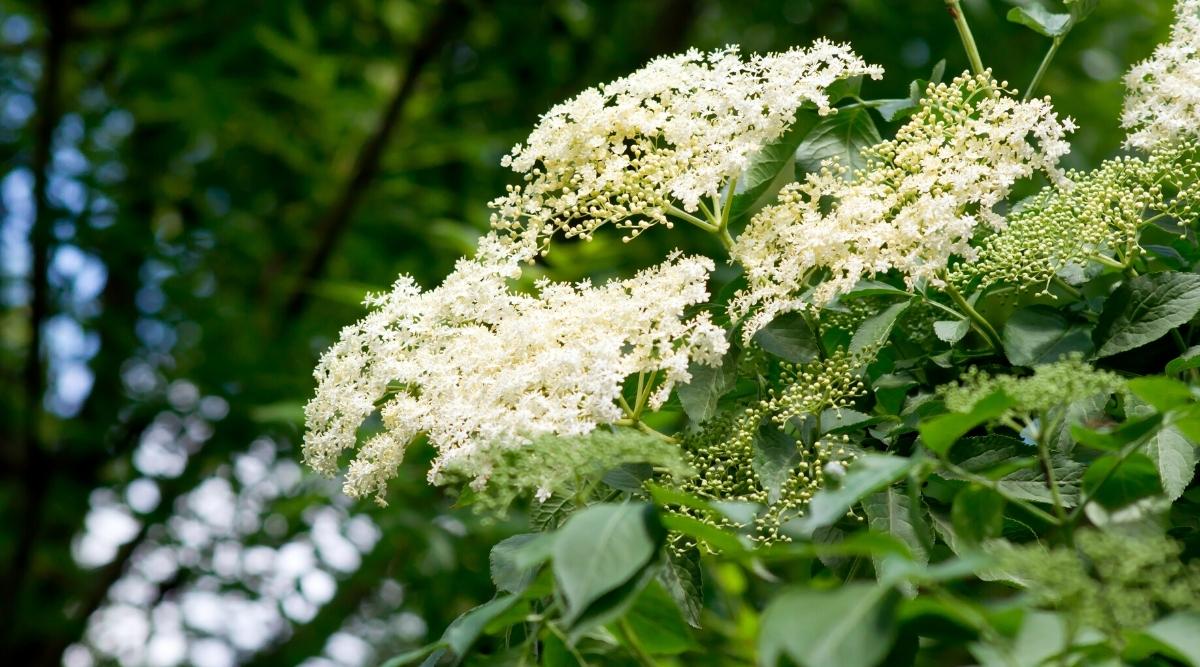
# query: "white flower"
{"points": [[917, 202], [675, 131], [474, 365], [1162, 104]]}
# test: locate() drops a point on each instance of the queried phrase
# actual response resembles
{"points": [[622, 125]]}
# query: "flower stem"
{"points": [[964, 31], [688, 217], [1060, 511], [979, 321], [1041, 70]]}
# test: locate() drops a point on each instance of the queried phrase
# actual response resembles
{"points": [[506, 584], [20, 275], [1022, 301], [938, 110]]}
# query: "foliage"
{"points": [[197, 195]]}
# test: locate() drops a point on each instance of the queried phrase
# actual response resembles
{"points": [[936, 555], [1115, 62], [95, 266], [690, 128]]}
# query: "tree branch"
{"points": [[30, 453], [332, 226]]}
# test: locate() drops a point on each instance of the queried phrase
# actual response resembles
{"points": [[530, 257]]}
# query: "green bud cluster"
{"points": [[1110, 582], [1060, 230], [1050, 386]]}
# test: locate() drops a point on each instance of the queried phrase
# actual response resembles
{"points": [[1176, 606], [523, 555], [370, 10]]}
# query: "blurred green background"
{"points": [[194, 198]]}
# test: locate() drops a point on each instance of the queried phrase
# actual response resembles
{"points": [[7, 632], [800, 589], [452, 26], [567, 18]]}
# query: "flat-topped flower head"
{"points": [[1162, 103], [476, 366], [669, 136], [916, 203]]}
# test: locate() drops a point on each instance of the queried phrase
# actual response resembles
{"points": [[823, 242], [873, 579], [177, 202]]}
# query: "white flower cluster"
{"points": [[677, 130], [915, 204], [473, 365], [1162, 104]]}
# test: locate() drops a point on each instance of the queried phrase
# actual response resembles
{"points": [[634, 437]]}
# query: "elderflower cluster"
{"points": [[677, 130], [1162, 102], [1061, 230], [476, 366], [916, 203]]}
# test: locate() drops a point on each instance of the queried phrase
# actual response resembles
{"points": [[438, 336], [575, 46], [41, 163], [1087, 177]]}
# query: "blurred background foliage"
{"points": [[195, 197]]}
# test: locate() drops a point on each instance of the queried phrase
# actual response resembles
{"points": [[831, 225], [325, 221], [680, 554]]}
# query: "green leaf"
{"points": [[703, 392], [1114, 439], [1179, 634], [875, 288], [656, 622], [1186, 361], [1081, 9], [462, 633], [1036, 18], [891, 511], [977, 514], [1115, 484], [840, 137], [1041, 637], [599, 549], [869, 473], [1012, 464], [840, 420], [1042, 335], [684, 580], [940, 432], [771, 168], [850, 626], [951, 331], [613, 604], [514, 561], [790, 338], [716, 539], [1175, 457], [775, 454], [1144, 309], [1161, 392], [875, 330]]}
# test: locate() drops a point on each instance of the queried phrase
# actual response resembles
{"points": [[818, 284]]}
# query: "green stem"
{"points": [[1067, 287], [981, 324], [632, 643], [1051, 483], [964, 32], [688, 217], [1107, 261], [1041, 70], [571, 649]]}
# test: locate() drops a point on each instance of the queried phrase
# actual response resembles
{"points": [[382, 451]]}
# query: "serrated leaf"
{"points": [[840, 137], [850, 626], [1175, 457], [1041, 335], [1144, 309], [951, 331], [789, 337], [684, 580], [891, 511], [1012, 464], [1041, 21]]}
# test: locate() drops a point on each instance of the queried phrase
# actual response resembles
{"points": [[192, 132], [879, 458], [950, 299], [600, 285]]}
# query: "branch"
{"points": [[332, 226], [30, 454]]}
